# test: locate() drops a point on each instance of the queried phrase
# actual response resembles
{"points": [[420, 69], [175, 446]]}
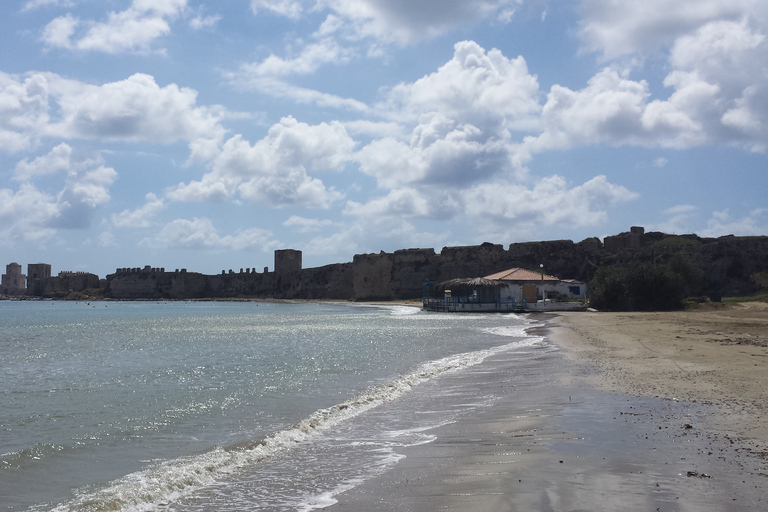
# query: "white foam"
{"points": [[169, 481]]}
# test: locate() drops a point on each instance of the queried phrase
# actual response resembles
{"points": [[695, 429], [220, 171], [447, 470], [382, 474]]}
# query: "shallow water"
{"points": [[225, 406]]}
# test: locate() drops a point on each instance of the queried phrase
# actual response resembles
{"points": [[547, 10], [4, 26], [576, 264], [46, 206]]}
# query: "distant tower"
{"points": [[37, 275], [287, 260], [38, 271], [13, 281]]}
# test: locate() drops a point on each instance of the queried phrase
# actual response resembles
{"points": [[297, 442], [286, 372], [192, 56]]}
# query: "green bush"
{"points": [[640, 287]]}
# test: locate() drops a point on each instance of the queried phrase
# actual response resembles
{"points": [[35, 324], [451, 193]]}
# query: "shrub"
{"points": [[638, 287]]}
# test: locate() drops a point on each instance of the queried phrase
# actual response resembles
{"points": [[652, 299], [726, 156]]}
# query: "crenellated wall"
{"points": [[724, 265]]}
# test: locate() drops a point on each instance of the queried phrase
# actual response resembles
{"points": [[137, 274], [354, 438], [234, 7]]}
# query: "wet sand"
{"points": [[717, 356], [656, 411]]}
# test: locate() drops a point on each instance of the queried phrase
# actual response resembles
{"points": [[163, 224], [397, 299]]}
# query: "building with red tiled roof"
{"points": [[518, 274], [514, 289]]}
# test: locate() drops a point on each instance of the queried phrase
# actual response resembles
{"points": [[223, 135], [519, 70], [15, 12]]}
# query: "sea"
{"points": [[231, 406]]}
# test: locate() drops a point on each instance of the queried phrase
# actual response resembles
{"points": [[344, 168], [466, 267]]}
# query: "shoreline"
{"points": [[622, 416]]}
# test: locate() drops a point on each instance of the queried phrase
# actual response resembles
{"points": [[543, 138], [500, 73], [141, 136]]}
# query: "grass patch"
{"points": [[760, 297]]}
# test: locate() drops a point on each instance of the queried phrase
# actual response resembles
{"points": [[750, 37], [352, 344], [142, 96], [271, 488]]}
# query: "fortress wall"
{"points": [[372, 276], [328, 282], [411, 268]]}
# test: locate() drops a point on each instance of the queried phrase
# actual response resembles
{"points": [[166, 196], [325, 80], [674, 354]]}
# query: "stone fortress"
{"points": [[726, 263]]}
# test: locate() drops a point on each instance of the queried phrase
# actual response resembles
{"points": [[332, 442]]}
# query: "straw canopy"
{"points": [[467, 283]]}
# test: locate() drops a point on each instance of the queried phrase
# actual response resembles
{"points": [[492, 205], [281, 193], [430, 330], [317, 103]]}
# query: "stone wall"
{"points": [[724, 265], [64, 284]]}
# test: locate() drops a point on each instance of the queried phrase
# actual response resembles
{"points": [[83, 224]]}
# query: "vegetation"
{"points": [[760, 279], [760, 297], [643, 286]]}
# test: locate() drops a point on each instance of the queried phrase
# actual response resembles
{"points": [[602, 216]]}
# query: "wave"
{"points": [[168, 481]]}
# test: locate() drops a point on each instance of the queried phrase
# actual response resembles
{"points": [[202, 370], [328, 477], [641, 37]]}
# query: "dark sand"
{"points": [[567, 437]]}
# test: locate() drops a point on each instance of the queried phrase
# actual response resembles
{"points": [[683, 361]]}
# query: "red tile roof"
{"points": [[520, 274]]}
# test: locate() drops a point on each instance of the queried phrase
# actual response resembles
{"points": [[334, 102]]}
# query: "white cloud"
{"points": [[140, 217], [660, 162], [305, 225], [372, 234], [402, 203], [135, 109], [132, 30], [27, 214], [485, 89], [680, 209], [680, 219], [464, 115], [34, 4], [549, 202], [201, 234], [608, 111], [722, 223], [200, 22], [718, 60], [407, 22], [288, 8], [31, 214], [276, 169], [23, 111], [308, 61], [620, 28], [59, 159]]}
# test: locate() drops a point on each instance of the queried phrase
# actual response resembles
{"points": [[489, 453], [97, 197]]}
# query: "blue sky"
{"points": [[205, 135]]}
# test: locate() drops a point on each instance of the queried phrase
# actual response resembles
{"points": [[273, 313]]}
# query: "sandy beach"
{"points": [[630, 411], [717, 356]]}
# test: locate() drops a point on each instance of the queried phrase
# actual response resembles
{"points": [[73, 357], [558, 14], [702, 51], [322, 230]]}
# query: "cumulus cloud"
{"points": [[200, 233], [464, 115], [401, 22], [276, 169], [134, 109], [485, 89], [23, 111], [407, 22], [59, 159], [620, 28], [549, 202], [31, 214], [132, 30], [607, 111], [140, 217], [27, 214], [718, 60]]}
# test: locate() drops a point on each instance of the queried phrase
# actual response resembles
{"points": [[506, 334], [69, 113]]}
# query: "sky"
{"points": [[205, 134]]}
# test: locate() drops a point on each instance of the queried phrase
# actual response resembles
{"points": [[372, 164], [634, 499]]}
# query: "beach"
{"points": [[636, 411]]}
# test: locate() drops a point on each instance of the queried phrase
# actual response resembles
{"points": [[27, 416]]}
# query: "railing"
{"points": [[461, 304]]}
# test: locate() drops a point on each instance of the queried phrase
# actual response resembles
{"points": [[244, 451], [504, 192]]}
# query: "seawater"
{"points": [[139, 406]]}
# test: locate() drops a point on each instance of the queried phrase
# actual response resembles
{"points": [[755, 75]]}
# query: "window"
{"points": [[574, 290]]}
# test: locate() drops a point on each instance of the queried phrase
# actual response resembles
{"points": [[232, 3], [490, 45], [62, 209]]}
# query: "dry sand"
{"points": [[717, 356], [636, 411]]}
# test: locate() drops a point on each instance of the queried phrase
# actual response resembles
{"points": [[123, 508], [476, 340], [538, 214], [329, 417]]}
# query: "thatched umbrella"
{"points": [[468, 283]]}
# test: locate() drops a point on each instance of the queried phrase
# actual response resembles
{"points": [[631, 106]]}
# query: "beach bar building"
{"points": [[515, 289]]}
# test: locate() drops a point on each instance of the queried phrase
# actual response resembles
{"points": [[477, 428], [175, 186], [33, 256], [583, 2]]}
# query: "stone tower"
{"points": [[13, 281], [286, 261]]}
